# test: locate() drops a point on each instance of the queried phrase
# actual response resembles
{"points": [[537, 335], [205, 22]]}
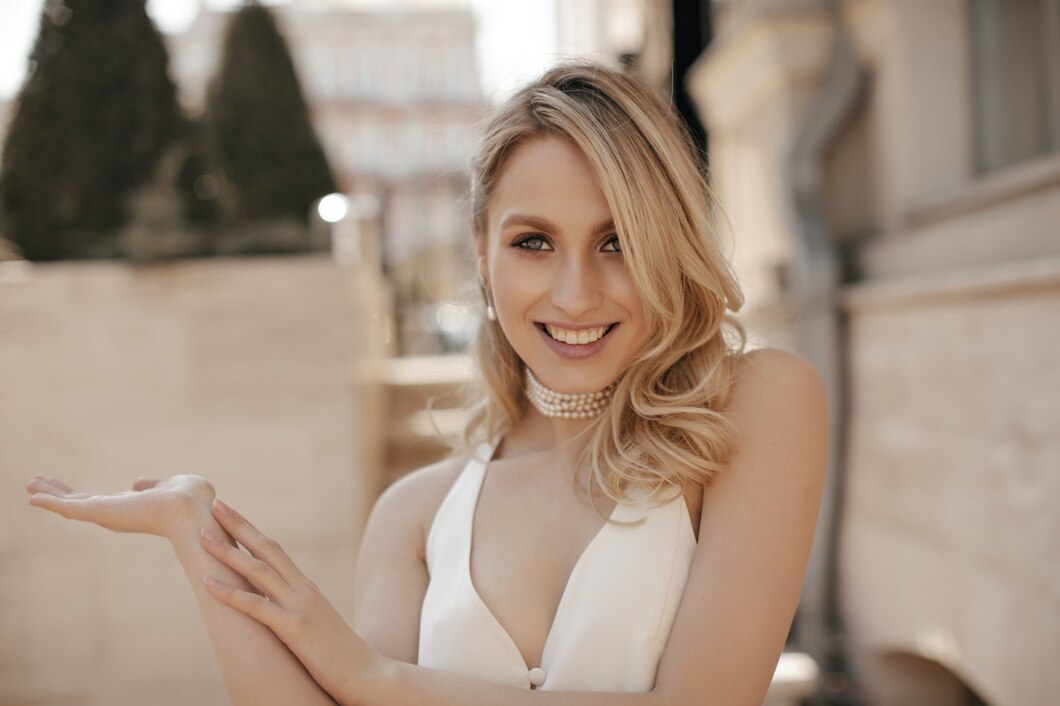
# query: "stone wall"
{"points": [[945, 475], [239, 370], [952, 509]]}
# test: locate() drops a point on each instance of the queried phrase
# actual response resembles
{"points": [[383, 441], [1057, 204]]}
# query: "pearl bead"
{"points": [[582, 405]]}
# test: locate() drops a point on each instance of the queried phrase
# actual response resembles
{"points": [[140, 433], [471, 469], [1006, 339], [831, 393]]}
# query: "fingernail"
{"points": [[210, 581], [209, 536]]}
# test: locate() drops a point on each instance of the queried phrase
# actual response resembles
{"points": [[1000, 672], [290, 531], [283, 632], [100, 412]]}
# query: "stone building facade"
{"points": [[891, 173]]}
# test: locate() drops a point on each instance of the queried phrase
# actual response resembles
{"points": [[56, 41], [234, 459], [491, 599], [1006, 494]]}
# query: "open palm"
{"points": [[151, 507]]}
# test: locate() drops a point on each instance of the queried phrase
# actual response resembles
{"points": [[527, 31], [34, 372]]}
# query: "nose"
{"points": [[577, 288]]}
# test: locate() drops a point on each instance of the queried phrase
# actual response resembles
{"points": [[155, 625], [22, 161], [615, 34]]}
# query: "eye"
{"points": [[534, 242], [613, 244]]}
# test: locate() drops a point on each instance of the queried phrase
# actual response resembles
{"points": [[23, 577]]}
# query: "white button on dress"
{"points": [[613, 619]]}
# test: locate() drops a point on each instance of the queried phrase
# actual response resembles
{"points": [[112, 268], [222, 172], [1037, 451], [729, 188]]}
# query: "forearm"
{"points": [[256, 666], [400, 684]]}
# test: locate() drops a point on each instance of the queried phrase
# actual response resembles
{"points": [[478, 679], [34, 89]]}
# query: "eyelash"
{"points": [[520, 243]]}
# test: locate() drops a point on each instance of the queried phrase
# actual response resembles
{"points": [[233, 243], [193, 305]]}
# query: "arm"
{"points": [[377, 664], [257, 668], [391, 578], [756, 529], [757, 525]]}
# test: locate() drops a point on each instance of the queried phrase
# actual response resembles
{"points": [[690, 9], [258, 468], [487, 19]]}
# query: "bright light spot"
{"points": [[796, 668], [332, 208], [454, 319]]}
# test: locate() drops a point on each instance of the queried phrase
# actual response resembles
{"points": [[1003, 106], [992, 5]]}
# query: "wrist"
{"points": [[188, 517], [376, 681]]}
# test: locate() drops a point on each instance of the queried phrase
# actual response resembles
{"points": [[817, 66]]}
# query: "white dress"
{"points": [[613, 619]]}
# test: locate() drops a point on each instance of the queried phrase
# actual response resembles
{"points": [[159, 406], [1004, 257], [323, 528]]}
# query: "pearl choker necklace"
{"points": [[567, 405]]}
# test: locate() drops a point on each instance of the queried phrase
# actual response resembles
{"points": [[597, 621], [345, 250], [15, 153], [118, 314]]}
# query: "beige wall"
{"points": [[949, 568], [239, 370], [951, 543]]}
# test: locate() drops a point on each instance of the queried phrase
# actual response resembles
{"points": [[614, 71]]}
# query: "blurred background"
{"points": [[233, 242]]}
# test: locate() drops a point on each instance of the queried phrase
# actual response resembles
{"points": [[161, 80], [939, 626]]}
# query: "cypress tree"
{"points": [[200, 182], [257, 122], [94, 114]]}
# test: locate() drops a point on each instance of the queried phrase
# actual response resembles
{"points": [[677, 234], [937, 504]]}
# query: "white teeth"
{"points": [[576, 338]]}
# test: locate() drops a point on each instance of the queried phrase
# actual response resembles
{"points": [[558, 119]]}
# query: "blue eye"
{"points": [[615, 242], [534, 242]]}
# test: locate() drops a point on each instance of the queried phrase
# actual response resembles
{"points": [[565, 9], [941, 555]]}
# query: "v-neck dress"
{"points": [[614, 616]]}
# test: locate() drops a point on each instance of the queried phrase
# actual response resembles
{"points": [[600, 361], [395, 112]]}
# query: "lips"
{"points": [[577, 337], [576, 350]]}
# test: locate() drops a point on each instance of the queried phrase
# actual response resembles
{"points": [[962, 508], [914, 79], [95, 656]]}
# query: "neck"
{"points": [[537, 433]]}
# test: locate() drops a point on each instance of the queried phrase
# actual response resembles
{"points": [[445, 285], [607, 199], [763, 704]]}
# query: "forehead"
{"points": [[551, 178]]}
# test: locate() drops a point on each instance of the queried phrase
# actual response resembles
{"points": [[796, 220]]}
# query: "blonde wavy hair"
{"points": [[665, 425]]}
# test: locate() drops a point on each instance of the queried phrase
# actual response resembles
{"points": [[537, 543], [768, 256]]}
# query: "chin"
{"points": [[572, 381]]}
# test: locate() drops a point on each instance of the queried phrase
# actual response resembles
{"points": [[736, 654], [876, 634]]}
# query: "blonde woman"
{"points": [[631, 518]]}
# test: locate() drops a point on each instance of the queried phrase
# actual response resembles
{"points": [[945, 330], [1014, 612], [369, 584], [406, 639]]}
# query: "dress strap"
{"points": [[448, 519]]}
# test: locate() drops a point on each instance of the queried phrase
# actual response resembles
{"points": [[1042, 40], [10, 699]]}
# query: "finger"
{"points": [[257, 607], [43, 484], [260, 546], [70, 508], [260, 575], [144, 483], [58, 484]]}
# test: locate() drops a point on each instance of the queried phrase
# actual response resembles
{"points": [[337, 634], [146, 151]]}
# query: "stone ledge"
{"points": [[998, 279], [988, 191]]}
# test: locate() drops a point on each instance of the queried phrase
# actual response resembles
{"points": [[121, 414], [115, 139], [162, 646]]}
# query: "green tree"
{"points": [[95, 113], [257, 122]]}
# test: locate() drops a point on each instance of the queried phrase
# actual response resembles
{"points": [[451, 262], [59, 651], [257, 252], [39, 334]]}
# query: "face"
{"points": [[553, 264]]}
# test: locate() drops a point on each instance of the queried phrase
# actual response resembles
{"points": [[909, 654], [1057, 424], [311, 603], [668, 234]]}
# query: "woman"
{"points": [[631, 518]]}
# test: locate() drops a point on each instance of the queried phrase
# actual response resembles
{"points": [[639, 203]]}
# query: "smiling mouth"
{"points": [[576, 338]]}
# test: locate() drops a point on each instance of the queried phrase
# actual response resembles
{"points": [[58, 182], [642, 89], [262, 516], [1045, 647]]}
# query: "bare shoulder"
{"points": [[408, 505], [391, 577], [775, 367], [778, 401], [769, 380]]}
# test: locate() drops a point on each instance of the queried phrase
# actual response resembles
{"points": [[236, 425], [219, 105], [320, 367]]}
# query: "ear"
{"points": [[480, 250]]}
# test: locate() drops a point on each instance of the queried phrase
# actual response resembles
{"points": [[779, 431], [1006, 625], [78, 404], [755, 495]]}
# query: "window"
{"points": [[1016, 74], [411, 145], [458, 73], [368, 138]]}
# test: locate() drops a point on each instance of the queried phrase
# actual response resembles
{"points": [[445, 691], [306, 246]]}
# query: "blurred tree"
{"points": [[206, 199], [257, 123], [96, 111]]}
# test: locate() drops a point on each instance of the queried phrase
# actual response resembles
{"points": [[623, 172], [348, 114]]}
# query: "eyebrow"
{"points": [[547, 225]]}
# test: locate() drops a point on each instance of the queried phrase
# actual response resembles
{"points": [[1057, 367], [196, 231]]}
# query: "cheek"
{"points": [[626, 294], [628, 297], [515, 287]]}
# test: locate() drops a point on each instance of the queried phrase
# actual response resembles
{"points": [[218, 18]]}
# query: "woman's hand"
{"points": [[291, 606], [151, 507]]}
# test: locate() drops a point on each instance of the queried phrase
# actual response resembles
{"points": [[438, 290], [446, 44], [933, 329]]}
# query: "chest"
{"points": [[557, 610], [527, 541]]}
